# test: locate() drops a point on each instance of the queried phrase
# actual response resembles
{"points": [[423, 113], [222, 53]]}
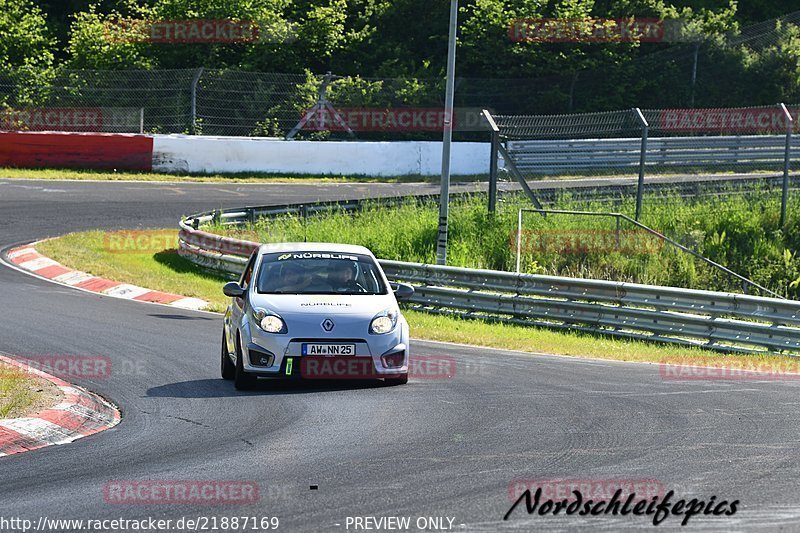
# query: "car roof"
{"points": [[313, 247]]}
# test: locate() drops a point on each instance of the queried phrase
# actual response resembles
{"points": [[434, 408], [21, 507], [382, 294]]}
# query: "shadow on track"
{"points": [[182, 317], [219, 388]]}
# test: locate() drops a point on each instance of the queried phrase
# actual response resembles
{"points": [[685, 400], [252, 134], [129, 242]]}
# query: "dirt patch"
{"points": [[23, 394]]}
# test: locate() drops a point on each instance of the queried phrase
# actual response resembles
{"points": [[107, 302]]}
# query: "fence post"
{"points": [[141, 120], [786, 161], [493, 155], [642, 159], [195, 81], [519, 239]]}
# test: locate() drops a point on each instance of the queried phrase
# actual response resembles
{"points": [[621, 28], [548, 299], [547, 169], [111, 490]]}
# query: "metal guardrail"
{"points": [[580, 155], [715, 320]]}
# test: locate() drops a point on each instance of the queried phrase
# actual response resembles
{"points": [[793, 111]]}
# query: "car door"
{"points": [[237, 307]]}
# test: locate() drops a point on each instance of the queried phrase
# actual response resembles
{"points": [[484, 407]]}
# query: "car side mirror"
{"points": [[233, 290], [402, 291]]}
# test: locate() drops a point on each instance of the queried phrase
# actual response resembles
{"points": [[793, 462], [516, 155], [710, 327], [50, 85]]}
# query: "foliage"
{"points": [[405, 42]]}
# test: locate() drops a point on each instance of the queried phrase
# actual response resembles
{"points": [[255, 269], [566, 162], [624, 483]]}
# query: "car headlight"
{"points": [[384, 322], [269, 321]]}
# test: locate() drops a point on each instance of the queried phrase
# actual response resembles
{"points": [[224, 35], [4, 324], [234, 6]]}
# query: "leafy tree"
{"points": [[26, 58], [25, 41]]}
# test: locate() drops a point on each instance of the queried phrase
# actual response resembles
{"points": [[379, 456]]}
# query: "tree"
{"points": [[25, 41], [26, 57]]}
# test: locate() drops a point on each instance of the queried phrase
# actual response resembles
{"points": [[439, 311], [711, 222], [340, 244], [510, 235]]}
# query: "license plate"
{"points": [[329, 349]]}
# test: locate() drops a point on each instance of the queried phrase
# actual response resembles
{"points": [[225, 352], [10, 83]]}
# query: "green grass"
{"points": [[159, 268], [245, 177], [737, 231], [164, 270], [18, 392]]}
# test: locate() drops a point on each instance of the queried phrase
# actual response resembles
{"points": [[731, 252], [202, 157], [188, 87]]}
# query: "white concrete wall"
{"points": [[184, 153]]}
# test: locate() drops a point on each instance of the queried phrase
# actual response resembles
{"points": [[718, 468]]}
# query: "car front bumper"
{"points": [[281, 355]]}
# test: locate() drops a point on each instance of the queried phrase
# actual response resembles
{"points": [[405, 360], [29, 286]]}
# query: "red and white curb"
{"points": [[79, 415], [27, 258]]}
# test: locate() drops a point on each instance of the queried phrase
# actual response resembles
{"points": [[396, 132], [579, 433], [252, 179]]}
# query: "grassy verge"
{"points": [[22, 394], [164, 270], [247, 177], [161, 269]]}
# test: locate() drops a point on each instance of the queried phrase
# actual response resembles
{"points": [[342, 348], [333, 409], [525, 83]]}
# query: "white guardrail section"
{"points": [[715, 320], [549, 156]]}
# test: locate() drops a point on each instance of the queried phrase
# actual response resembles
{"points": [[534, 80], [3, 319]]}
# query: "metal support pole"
{"points": [[519, 238], [321, 109], [786, 161], [493, 172], [141, 120], [195, 81], [444, 196], [520, 179], [642, 160], [694, 71], [493, 156]]}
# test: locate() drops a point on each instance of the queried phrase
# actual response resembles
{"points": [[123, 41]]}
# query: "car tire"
{"points": [[400, 380], [241, 379], [227, 370]]}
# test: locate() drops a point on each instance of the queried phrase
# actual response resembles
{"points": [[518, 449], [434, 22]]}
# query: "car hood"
{"points": [[290, 304]]}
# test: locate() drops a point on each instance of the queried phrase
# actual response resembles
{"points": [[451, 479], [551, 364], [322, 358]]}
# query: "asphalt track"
{"points": [[437, 447]]}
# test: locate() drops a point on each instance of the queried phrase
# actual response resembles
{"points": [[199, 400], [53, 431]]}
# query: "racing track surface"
{"points": [[447, 447]]}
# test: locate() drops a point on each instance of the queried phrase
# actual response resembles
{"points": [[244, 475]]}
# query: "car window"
{"points": [[247, 275], [319, 273]]}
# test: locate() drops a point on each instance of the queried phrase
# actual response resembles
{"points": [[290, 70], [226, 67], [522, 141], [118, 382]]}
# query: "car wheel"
{"points": [[227, 369], [400, 380], [241, 379]]}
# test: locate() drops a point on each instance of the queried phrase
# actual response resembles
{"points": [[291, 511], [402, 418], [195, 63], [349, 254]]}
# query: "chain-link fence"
{"points": [[635, 143], [677, 140], [752, 67], [163, 95]]}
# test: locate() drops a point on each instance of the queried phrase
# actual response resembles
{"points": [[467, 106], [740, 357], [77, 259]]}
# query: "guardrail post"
{"points": [[493, 155], [786, 162], [195, 81], [642, 159]]}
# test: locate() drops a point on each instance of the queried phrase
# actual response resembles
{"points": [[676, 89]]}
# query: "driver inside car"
{"points": [[342, 277], [294, 278]]}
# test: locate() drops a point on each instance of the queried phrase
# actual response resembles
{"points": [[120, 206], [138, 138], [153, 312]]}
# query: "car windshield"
{"points": [[319, 273]]}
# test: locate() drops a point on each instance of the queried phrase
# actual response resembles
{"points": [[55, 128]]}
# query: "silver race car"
{"points": [[314, 311]]}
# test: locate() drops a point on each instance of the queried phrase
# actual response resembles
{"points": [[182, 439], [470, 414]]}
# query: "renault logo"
{"points": [[327, 324]]}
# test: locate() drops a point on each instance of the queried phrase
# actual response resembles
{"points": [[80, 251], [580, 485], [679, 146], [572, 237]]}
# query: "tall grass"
{"points": [[739, 231]]}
